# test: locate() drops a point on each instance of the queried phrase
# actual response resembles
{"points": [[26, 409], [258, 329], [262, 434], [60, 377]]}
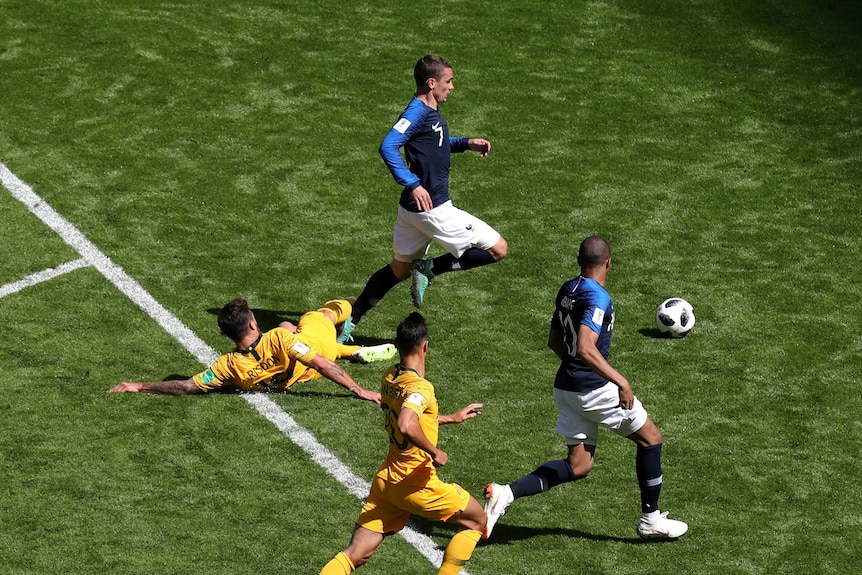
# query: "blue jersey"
{"points": [[424, 135], [582, 301]]}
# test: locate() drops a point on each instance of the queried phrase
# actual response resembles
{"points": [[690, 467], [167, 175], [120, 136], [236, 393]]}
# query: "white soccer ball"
{"points": [[674, 317]]}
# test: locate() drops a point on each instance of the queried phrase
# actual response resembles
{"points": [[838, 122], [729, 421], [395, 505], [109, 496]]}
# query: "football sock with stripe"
{"points": [[339, 565], [443, 264], [648, 470], [472, 258], [459, 551], [545, 477]]}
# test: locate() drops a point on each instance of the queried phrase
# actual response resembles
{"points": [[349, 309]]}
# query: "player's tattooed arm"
{"points": [[171, 387], [332, 371]]}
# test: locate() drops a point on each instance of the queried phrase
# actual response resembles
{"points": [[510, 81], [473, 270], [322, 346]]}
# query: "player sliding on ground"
{"points": [[277, 359]]}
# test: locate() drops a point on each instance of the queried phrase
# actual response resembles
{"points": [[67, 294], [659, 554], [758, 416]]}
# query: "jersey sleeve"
{"points": [[214, 377], [296, 349], [418, 397], [595, 310], [407, 125], [459, 144]]}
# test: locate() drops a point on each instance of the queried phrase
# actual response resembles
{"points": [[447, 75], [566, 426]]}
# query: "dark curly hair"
{"points": [[234, 319]]}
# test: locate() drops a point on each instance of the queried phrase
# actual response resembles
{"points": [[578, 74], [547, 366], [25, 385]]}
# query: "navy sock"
{"points": [[378, 285], [474, 257], [443, 264], [546, 476], [648, 469]]}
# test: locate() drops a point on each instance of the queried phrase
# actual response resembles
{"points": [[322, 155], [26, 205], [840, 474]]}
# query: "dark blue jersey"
{"points": [[582, 301], [424, 135]]}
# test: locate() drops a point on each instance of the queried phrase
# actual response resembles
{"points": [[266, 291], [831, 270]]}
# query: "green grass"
{"points": [[226, 149]]}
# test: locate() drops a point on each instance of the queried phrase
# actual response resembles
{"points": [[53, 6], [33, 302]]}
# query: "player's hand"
{"points": [[373, 396], [422, 199], [440, 458], [479, 145], [126, 387], [627, 396], [468, 412]]}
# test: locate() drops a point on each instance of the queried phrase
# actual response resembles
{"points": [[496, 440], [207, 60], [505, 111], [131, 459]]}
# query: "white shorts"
{"points": [[454, 229], [581, 414]]}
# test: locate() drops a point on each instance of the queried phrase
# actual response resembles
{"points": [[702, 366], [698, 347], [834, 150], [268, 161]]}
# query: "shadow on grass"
{"points": [[654, 333], [504, 534], [292, 391], [319, 394], [268, 319], [651, 332]]}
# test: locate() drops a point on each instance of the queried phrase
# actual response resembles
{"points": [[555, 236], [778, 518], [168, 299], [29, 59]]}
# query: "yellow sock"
{"points": [[347, 351], [340, 565], [459, 551]]}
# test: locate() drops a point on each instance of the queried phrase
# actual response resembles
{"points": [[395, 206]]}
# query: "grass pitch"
{"points": [[226, 149]]}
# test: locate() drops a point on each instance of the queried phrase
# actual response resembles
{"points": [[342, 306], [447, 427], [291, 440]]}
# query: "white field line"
{"points": [[42, 276], [91, 255]]}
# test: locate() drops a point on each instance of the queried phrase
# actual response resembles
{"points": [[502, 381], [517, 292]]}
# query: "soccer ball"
{"points": [[674, 317]]}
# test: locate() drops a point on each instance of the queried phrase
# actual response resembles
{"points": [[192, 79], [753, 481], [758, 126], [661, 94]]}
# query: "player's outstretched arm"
{"points": [[332, 371], [462, 414], [173, 387]]}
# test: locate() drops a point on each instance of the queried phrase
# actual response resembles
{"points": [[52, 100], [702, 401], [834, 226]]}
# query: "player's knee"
{"points": [[401, 270], [581, 469], [500, 249], [650, 434]]}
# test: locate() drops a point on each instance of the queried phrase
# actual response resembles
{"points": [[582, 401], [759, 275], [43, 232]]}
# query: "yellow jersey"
{"points": [[273, 363], [403, 388]]}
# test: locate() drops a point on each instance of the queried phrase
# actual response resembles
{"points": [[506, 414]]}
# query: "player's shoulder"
{"points": [[407, 378], [416, 110], [598, 296], [585, 290], [419, 391], [410, 122], [279, 338], [570, 285], [575, 286]]}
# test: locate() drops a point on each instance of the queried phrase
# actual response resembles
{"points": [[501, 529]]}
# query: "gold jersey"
{"points": [[273, 363], [403, 388]]}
